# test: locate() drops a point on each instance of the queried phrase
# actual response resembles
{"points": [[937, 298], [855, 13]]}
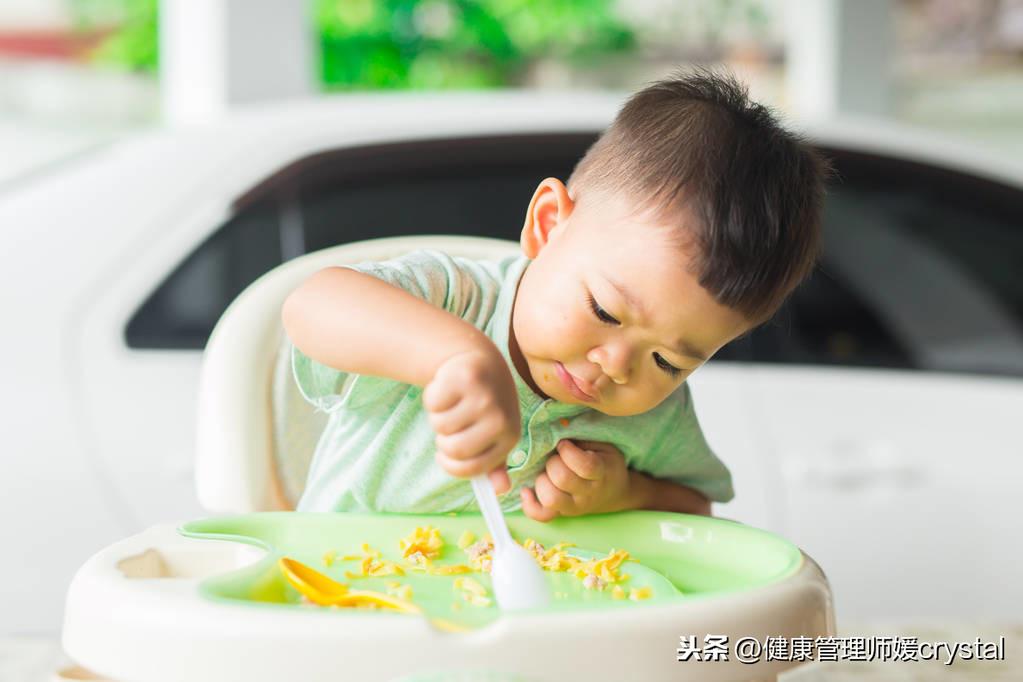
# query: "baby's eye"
{"points": [[601, 314], [671, 369]]}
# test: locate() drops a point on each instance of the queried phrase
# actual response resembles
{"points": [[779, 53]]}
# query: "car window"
{"points": [[472, 186], [917, 271], [489, 204], [181, 312], [920, 270]]}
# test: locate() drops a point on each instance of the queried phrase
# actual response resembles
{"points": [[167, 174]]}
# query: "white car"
{"points": [[873, 423]]}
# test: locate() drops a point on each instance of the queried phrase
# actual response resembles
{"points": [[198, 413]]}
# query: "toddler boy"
{"points": [[562, 371]]}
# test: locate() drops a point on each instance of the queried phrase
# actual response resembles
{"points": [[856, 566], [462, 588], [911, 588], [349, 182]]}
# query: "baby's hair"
{"points": [[696, 144]]}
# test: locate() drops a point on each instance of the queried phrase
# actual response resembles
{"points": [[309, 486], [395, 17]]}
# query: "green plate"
{"points": [[679, 557]]}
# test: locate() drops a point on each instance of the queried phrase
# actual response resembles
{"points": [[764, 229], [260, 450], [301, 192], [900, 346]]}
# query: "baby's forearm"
{"points": [[657, 494], [357, 323]]}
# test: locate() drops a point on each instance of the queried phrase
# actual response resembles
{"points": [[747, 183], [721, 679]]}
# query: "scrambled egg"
{"points": [[472, 591], [372, 564], [596, 574], [481, 554], [420, 548], [423, 543]]}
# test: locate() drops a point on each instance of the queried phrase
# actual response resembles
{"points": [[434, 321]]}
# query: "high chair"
{"points": [[151, 607]]}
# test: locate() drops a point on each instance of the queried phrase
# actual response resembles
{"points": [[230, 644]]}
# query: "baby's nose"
{"points": [[617, 377], [612, 362]]}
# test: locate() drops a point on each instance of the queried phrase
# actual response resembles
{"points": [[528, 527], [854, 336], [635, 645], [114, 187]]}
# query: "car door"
{"points": [[891, 387]]}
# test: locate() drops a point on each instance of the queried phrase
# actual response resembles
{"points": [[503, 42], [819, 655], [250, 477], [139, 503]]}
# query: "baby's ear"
{"points": [[548, 210]]}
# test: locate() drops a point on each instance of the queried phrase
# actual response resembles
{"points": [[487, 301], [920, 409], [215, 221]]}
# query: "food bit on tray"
{"points": [[481, 554], [472, 591], [372, 564], [599, 573], [638, 593], [422, 546], [424, 541], [400, 591]]}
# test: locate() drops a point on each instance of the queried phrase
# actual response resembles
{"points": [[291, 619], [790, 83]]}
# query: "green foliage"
{"points": [[410, 44], [134, 45], [457, 43]]}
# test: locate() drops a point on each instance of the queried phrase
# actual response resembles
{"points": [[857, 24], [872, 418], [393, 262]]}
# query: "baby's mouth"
{"points": [[574, 385]]}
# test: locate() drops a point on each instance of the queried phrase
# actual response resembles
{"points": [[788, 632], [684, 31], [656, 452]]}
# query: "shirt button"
{"points": [[517, 458]]}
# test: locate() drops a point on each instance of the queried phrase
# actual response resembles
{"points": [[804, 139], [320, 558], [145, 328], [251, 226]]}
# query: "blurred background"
{"points": [[78, 71], [161, 155]]}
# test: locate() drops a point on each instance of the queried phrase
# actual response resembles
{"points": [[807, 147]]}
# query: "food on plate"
{"points": [[420, 554]]}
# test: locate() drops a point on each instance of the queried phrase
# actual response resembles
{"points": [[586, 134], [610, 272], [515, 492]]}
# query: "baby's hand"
{"points": [[474, 408], [584, 478]]}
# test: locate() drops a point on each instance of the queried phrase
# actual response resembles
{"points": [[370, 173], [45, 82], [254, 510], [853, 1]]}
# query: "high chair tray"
{"points": [[207, 601]]}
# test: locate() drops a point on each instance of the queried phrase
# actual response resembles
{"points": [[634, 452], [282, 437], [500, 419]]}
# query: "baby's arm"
{"points": [[662, 495], [358, 323], [590, 477]]}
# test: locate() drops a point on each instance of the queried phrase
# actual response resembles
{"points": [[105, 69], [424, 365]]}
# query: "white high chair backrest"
{"points": [[255, 433]]}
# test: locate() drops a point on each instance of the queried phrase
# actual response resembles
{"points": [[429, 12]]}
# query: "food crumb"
{"points": [[472, 592], [476, 600], [372, 564], [563, 421], [470, 585], [637, 593], [424, 541], [467, 538], [449, 570], [400, 591], [480, 554]]}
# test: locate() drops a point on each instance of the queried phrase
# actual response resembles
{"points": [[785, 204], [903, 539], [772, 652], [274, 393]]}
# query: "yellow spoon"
{"points": [[325, 591]]}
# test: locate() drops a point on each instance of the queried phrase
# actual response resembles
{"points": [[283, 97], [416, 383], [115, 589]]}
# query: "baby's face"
{"points": [[608, 316]]}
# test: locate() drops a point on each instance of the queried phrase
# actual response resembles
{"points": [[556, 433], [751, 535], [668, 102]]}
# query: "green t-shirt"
{"points": [[377, 450]]}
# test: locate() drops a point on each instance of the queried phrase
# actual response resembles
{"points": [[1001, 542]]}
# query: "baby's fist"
{"points": [[585, 477], [474, 409]]}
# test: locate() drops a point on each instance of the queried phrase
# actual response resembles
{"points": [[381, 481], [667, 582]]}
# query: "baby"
{"points": [[562, 372]]}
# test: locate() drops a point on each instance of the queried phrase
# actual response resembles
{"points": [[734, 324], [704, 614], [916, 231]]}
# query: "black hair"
{"points": [[696, 153]]}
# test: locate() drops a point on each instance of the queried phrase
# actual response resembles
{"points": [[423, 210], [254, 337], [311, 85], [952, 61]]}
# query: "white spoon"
{"points": [[519, 582]]}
